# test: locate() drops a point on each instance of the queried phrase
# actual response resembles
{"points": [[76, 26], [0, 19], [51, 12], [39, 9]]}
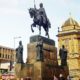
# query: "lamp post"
{"points": [[14, 49], [14, 45], [15, 39]]}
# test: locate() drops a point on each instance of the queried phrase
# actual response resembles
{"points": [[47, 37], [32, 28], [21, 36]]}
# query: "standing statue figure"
{"points": [[40, 19], [63, 55], [39, 48], [19, 53]]}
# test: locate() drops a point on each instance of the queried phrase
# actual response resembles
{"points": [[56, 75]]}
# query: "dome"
{"points": [[70, 22]]}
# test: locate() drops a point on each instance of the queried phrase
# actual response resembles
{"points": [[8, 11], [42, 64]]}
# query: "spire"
{"points": [[70, 15]]}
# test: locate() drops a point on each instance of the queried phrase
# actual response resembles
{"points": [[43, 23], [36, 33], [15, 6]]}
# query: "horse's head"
{"points": [[31, 12]]}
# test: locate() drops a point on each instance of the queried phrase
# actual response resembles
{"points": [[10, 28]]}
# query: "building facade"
{"points": [[7, 56], [70, 37]]}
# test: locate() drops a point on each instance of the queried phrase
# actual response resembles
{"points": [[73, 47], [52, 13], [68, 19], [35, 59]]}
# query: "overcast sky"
{"points": [[15, 20]]}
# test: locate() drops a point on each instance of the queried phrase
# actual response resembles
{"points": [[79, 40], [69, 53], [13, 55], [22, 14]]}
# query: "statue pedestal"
{"points": [[18, 69], [24, 70], [43, 68]]}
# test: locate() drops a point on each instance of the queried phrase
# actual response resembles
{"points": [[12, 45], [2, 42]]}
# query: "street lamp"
{"points": [[15, 39], [14, 47]]}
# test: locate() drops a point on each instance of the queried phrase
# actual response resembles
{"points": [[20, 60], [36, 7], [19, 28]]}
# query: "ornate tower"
{"points": [[70, 37]]}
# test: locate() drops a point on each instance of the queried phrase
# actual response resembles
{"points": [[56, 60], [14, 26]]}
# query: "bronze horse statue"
{"points": [[38, 21]]}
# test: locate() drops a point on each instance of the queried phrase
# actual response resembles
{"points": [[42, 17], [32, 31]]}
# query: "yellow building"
{"points": [[6, 56], [70, 37]]}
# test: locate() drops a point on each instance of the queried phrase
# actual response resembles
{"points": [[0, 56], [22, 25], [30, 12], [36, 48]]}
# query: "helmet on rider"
{"points": [[41, 5]]}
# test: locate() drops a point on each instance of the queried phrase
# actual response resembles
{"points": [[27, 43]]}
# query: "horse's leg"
{"points": [[39, 30], [47, 34], [48, 23], [32, 28], [46, 30], [33, 25]]}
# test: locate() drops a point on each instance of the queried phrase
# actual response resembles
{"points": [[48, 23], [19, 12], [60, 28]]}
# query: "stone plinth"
{"points": [[49, 50], [24, 70], [44, 68], [45, 40]]}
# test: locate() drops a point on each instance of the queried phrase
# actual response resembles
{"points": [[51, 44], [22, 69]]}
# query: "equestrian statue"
{"points": [[40, 19]]}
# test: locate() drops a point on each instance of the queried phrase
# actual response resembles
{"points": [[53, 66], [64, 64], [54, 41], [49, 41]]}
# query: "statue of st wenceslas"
{"points": [[19, 53], [40, 19]]}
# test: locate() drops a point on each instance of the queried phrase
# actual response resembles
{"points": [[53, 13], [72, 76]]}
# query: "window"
{"points": [[6, 56], [0, 54], [11, 56]]}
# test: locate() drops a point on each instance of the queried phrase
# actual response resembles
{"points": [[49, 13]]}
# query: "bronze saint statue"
{"points": [[40, 19], [19, 53], [63, 56], [40, 49]]}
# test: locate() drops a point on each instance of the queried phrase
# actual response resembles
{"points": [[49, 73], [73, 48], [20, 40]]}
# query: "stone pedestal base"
{"points": [[44, 69], [24, 70]]}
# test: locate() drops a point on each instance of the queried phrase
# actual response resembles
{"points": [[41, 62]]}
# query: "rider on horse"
{"points": [[42, 13], [39, 18]]}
